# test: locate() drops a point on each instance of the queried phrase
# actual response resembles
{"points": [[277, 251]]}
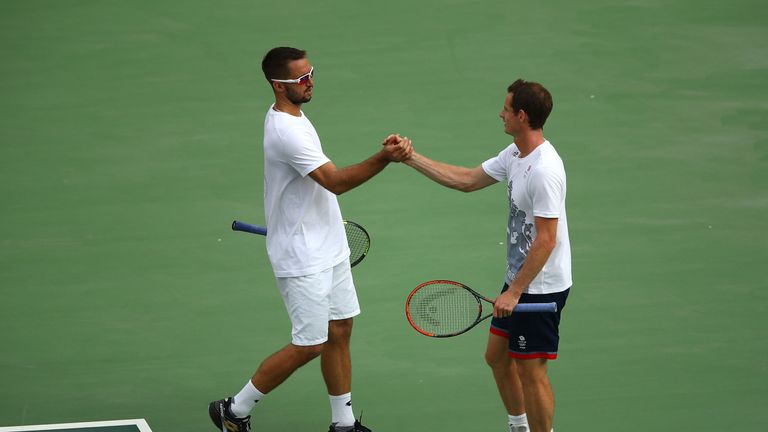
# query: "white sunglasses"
{"points": [[303, 80]]}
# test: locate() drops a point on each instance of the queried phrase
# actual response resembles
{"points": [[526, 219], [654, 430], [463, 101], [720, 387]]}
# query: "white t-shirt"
{"points": [[536, 187], [305, 229]]}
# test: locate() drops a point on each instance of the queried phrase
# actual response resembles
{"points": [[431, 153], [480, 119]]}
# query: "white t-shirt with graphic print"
{"points": [[536, 186], [304, 224]]}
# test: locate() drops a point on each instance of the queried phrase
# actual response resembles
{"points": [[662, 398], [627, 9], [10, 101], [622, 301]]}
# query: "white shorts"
{"points": [[313, 300]]}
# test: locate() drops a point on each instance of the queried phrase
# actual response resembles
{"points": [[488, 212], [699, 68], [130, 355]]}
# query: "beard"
{"points": [[297, 98]]}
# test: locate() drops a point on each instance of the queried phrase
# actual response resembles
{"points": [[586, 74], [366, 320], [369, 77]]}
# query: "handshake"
{"points": [[397, 148]]}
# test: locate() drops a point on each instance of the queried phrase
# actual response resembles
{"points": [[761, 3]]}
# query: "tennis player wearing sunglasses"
{"points": [[303, 80], [307, 248]]}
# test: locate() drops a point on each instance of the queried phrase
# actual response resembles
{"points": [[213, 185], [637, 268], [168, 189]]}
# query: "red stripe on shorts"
{"points": [[499, 332], [550, 356]]}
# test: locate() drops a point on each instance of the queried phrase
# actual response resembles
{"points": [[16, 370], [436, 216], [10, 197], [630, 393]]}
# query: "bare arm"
{"points": [[340, 180], [452, 176], [541, 249]]}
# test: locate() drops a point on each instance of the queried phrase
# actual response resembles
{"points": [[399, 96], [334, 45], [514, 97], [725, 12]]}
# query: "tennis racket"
{"points": [[357, 237], [443, 308]]}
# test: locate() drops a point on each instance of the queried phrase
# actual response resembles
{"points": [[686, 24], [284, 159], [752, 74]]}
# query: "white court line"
{"points": [[139, 423]]}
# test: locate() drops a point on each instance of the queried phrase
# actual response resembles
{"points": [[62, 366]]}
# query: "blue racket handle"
{"points": [[246, 227], [536, 307]]}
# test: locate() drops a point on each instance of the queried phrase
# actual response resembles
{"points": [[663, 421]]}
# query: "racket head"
{"points": [[443, 308], [359, 242]]}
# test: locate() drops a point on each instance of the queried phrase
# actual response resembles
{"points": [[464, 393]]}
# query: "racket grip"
{"points": [[536, 307], [246, 227]]}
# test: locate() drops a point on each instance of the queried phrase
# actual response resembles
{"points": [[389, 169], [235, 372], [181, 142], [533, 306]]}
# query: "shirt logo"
{"points": [[527, 171]]}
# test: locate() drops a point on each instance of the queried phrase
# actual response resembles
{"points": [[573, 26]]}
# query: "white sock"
{"points": [[518, 423], [243, 402], [341, 410]]}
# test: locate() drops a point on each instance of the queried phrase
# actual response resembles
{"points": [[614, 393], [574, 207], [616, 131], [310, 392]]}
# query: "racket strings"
{"points": [[358, 240], [443, 309]]}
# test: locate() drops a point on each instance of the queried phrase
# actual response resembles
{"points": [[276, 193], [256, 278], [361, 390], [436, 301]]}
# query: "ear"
{"points": [[522, 116], [278, 87]]}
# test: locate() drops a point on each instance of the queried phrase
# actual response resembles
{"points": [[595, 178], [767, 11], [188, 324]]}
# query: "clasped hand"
{"points": [[397, 148]]}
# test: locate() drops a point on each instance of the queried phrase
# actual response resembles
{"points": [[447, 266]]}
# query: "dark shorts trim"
{"points": [[532, 335]]}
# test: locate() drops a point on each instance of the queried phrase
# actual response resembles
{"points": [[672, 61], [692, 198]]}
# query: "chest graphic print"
{"points": [[519, 235]]}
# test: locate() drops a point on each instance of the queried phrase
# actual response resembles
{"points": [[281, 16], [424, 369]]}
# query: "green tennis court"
{"points": [[130, 139]]}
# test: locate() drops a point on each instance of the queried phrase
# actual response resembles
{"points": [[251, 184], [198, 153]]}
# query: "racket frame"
{"points": [[521, 307], [260, 230], [477, 296], [348, 223]]}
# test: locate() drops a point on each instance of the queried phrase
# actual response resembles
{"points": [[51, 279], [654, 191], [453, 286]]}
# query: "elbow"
{"points": [[548, 244], [338, 188], [466, 187], [545, 242], [466, 183]]}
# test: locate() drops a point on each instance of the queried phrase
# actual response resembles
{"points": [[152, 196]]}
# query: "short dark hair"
{"points": [[532, 98], [275, 62]]}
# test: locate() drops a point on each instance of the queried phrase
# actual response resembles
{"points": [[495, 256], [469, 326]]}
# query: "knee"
{"points": [[496, 360], [339, 329], [309, 352]]}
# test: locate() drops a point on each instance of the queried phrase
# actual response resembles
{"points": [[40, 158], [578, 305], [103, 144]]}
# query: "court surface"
{"points": [[130, 139]]}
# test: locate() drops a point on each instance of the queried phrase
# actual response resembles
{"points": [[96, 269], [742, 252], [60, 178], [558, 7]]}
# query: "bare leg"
{"points": [[505, 374], [539, 400], [279, 366], [335, 361]]}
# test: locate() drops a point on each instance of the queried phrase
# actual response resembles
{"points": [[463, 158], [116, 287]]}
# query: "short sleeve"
{"points": [[496, 167], [547, 188], [301, 152]]}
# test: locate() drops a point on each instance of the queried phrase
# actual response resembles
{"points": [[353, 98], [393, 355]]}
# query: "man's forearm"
{"points": [[451, 176], [354, 175]]}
